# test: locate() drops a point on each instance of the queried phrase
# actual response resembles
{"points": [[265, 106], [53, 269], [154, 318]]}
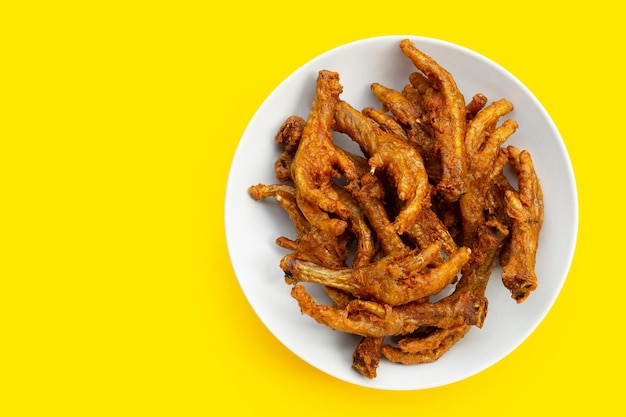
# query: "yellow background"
{"points": [[118, 122]]}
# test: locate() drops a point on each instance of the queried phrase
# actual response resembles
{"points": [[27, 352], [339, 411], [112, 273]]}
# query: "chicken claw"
{"points": [[318, 160], [407, 110], [388, 153], [404, 236], [525, 210], [467, 307], [288, 138], [482, 142], [312, 244], [366, 356], [390, 280], [448, 116], [424, 350]]}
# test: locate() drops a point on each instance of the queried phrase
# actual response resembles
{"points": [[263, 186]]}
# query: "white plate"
{"points": [[252, 227]]}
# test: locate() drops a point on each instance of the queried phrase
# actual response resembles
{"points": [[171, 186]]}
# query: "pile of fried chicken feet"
{"points": [[426, 205]]}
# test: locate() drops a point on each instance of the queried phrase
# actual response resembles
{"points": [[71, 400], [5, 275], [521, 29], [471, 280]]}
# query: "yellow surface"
{"points": [[117, 126]]}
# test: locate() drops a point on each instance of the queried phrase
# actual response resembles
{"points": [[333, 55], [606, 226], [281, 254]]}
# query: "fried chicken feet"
{"points": [[317, 160], [367, 318], [404, 236], [401, 162], [525, 210], [389, 280], [446, 106]]}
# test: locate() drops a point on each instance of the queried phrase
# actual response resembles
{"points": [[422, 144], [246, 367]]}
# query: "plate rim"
{"points": [[573, 191]]}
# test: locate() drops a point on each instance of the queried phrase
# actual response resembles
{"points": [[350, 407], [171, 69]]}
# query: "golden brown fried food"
{"points": [[288, 138], [407, 109], [481, 136], [439, 339], [475, 105], [525, 210], [386, 122], [366, 247], [317, 160], [424, 350], [311, 244], [427, 201], [314, 245], [368, 193], [428, 228], [367, 318], [421, 83], [428, 339], [366, 356], [482, 141], [289, 133], [400, 161], [398, 104], [422, 133], [282, 166], [487, 247], [390, 280], [331, 250], [286, 197], [446, 105]]}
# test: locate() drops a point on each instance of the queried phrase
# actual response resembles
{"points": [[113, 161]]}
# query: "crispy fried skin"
{"points": [[282, 166], [495, 198], [446, 105], [428, 228], [400, 161], [368, 193], [317, 160], [407, 108], [481, 128], [483, 141], [422, 132], [330, 249], [386, 122], [431, 183], [390, 280], [476, 274], [429, 349], [474, 281], [366, 356], [467, 306], [399, 105], [475, 105], [366, 246], [380, 320], [420, 82], [289, 133], [286, 197], [427, 339], [525, 210], [340, 299], [487, 247], [288, 138], [311, 244]]}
